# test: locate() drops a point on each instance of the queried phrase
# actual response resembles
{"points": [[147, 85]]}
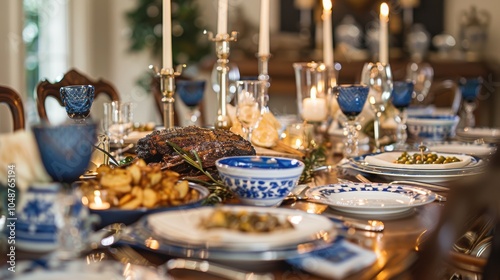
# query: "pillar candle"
{"points": [[222, 17], [264, 28], [167, 35], [384, 36], [314, 108], [327, 33]]}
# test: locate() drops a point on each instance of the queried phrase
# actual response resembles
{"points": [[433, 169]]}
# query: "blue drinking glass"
{"points": [[470, 89], [77, 100], [191, 94], [351, 100], [402, 92]]}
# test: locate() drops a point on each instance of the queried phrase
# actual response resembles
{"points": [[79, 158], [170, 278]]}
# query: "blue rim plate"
{"points": [[380, 199]]}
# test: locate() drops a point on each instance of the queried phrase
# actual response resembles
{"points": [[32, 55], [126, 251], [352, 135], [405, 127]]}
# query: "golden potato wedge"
{"points": [[150, 198], [131, 205], [154, 178], [182, 187], [124, 199], [135, 172]]}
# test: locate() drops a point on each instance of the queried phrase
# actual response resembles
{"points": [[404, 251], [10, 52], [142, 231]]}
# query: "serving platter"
{"points": [[143, 235], [379, 199], [185, 227]]}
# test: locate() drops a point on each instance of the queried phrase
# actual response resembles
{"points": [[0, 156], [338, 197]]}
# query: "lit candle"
{"points": [[98, 204], [264, 28], [167, 35], [314, 108], [222, 17], [327, 33], [384, 36]]}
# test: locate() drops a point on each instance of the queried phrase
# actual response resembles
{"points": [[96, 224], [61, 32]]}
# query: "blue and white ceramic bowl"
{"points": [[433, 128], [260, 180]]}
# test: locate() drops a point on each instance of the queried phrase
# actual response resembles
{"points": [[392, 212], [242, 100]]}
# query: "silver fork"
{"points": [[126, 254], [217, 270]]}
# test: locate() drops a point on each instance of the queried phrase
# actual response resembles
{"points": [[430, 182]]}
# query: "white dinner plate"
{"points": [[387, 160], [185, 227], [379, 199], [473, 149], [474, 133], [81, 270]]}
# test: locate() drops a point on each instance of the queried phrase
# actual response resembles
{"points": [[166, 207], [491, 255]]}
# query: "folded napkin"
{"points": [[337, 261], [20, 149]]}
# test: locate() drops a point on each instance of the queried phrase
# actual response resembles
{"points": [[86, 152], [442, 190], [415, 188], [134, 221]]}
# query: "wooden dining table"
{"points": [[396, 247]]}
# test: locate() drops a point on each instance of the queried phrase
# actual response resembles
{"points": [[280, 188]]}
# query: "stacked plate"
{"points": [[382, 164], [371, 199], [488, 135], [180, 233]]}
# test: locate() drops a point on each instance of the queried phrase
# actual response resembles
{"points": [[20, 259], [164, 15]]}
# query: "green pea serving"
{"points": [[429, 158]]}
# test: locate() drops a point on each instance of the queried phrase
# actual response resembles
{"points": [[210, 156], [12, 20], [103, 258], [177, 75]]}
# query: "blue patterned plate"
{"points": [[380, 199]]}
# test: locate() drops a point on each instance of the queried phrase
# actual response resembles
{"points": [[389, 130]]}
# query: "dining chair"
{"points": [[13, 100], [45, 89]]}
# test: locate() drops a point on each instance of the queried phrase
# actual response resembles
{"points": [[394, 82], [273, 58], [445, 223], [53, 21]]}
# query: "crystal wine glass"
{"points": [[351, 99], [378, 77], [401, 98], [191, 94], [249, 104], [77, 100], [117, 122], [470, 89]]}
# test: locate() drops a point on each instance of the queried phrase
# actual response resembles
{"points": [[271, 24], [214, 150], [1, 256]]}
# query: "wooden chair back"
{"points": [[45, 89], [13, 100]]}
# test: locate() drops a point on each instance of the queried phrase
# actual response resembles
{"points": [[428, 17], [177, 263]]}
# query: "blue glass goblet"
{"points": [[351, 99], [77, 100], [402, 92], [470, 89], [191, 94]]}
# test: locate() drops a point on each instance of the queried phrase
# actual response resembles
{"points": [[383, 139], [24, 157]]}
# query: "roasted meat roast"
{"points": [[209, 144]]}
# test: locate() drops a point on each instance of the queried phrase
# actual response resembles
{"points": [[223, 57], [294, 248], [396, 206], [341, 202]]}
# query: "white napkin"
{"points": [[20, 149]]}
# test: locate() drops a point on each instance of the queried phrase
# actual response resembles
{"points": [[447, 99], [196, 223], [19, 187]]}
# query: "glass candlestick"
{"points": [[222, 49], [351, 99]]}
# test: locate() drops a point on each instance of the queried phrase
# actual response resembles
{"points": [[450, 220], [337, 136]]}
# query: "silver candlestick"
{"points": [[167, 87], [222, 50], [264, 76]]}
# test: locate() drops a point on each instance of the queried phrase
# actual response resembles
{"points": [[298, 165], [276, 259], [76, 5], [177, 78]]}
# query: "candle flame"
{"points": [[313, 92], [97, 198], [327, 5], [384, 10]]}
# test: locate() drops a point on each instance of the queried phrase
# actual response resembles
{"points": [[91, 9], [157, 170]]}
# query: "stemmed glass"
{"points": [[401, 98], [378, 77], [191, 94], [117, 122], [65, 151], [470, 89], [249, 104], [351, 99], [77, 100]]}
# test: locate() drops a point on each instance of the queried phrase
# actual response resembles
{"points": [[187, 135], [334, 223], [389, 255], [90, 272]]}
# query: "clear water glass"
{"points": [[351, 100], [117, 122], [249, 102], [378, 77]]}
